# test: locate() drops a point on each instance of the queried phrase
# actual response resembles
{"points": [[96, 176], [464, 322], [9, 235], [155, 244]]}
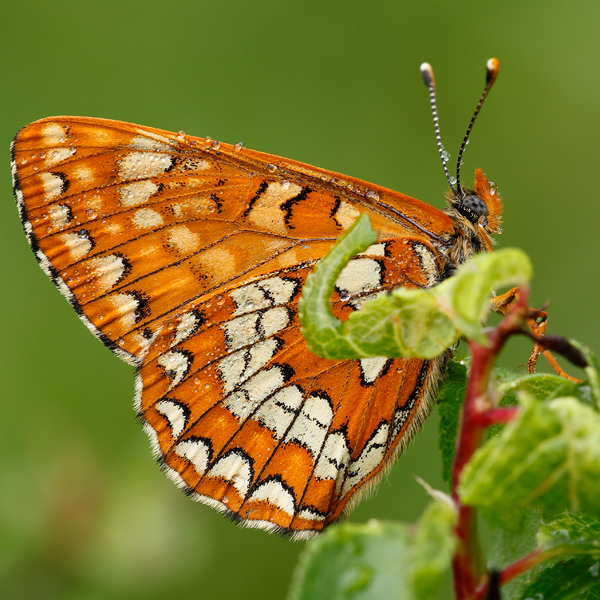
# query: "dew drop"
{"points": [[344, 295], [285, 184], [271, 168], [42, 155], [35, 168], [181, 135], [23, 161], [372, 195], [208, 139], [91, 214], [215, 145], [238, 146]]}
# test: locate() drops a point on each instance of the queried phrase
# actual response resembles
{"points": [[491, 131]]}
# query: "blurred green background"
{"points": [[84, 510]]}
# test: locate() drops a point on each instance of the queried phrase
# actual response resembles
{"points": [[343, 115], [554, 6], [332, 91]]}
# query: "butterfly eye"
{"points": [[475, 204]]}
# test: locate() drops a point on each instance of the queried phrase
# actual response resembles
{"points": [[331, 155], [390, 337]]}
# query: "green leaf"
{"points": [[574, 579], [542, 386], [432, 548], [378, 560], [573, 534], [547, 458], [325, 335], [407, 322], [450, 400], [466, 294], [592, 371]]}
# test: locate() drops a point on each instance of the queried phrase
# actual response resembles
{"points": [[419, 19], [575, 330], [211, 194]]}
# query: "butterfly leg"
{"points": [[503, 303]]}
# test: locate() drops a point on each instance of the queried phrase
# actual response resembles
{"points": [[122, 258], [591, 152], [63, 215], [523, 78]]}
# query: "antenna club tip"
{"points": [[427, 74], [492, 66]]}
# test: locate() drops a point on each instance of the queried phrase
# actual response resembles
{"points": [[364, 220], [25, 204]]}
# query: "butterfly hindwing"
{"points": [[187, 257]]}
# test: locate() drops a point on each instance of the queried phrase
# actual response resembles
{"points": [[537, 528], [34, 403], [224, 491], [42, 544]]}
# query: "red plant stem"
{"points": [[522, 565], [495, 416], [467, 563]]}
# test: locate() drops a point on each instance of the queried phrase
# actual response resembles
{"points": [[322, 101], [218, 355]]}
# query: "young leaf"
{"points": [[378, 560], [407, 322], [548, 458], [466, 294], [325, 335]]}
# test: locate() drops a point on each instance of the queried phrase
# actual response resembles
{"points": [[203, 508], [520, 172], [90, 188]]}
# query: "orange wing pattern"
{"points": [[186, 257]]}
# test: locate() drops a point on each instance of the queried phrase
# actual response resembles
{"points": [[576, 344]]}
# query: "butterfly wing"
{"points": [[186, 257]]}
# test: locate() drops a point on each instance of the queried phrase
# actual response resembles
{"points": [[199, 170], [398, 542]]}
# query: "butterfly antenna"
{"points": [[428, 79], [492, 67]]}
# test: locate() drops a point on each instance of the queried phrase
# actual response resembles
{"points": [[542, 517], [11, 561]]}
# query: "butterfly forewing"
{"points": [[187, 258]]}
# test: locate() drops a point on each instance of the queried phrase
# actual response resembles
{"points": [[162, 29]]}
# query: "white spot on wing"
{"points": [[371, 368], [174, 414], [177, 363], [334, 459], [136, 192], [57, 155], [141, 165], [78, 246], [83, 175], [53, 135], [125, 305], [359, 275], [53, 186], [241, 331], [186, 326], [143, 142], [266, 294], [59, 216], [370, 458], [374, 250], [278, 412], [311, 425], [263, 384], [107, 270], [196, 451], [310, 515], [274, 493], [146, 218], [346, 214], [248, 329], [240, 365], [184, 240], [234, 468]]}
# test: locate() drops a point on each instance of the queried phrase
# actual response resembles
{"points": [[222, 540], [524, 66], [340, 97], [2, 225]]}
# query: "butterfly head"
{"points": [[480, 206]]}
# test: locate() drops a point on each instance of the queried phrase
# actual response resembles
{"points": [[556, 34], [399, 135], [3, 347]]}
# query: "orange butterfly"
{"points": [[187, 256]]}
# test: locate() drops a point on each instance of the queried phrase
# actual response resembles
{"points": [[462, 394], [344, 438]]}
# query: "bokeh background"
{"points": [[84, 510]]}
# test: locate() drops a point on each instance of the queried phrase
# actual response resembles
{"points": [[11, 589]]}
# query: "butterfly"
{"points": [[186, 257]]}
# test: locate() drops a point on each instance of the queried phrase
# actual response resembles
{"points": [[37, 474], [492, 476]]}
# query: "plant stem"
{"points": [[477, 414]]}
